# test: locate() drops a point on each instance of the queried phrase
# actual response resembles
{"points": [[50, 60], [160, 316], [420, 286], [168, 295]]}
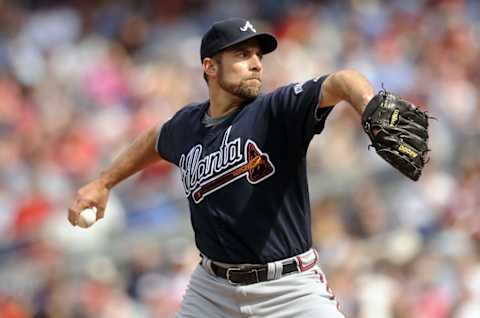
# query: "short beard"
{"points": [[242, 90]]}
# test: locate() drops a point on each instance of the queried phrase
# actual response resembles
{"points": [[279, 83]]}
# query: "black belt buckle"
{"points": [[238, 269]]}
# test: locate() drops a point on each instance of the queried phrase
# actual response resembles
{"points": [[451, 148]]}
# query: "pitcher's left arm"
{"points": [[347, 85]]}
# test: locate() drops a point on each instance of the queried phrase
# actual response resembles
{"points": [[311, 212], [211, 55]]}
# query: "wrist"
{"points": [[366, 98], [106, 181]]}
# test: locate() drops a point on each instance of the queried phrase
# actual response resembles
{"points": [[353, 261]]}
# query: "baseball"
{"points": [[87, 217]]}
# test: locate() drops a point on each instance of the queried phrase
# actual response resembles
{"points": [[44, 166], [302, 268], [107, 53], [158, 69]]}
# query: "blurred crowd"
{"points": [[80, 79]]}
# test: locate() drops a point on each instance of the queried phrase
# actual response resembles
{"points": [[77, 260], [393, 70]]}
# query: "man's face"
{"points": [[240, 70]]}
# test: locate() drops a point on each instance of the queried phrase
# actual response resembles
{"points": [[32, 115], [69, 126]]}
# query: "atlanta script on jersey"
{"points": [[204, 175], [245, 178]]}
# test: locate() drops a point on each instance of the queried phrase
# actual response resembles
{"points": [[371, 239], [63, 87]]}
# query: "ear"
{"points": [[210, 67]]}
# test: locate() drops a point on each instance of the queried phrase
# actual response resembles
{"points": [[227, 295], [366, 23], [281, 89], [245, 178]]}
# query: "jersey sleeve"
{"points": [[163, 148], [296, 107]]}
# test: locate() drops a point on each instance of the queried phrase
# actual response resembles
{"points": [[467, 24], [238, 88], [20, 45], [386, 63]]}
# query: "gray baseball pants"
{"points": [[302, 294]]}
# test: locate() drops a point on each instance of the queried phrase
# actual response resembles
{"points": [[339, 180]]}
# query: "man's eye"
{"points": [[242, 54]]}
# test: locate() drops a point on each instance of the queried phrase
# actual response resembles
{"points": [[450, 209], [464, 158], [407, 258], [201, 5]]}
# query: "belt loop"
{"points": [[317, 256], [278, 270], [207, 264], [275, 270], [270, 271], [307, 260]]}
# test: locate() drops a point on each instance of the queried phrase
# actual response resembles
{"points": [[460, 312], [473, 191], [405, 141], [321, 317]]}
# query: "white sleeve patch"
{"points": [[298, 88]]}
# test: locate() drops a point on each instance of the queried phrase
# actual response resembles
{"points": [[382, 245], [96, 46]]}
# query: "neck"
{"points": [[222, 102]]}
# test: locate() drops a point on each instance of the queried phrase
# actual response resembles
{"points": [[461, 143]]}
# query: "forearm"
{"points": [[138, 155], [350, 86]]}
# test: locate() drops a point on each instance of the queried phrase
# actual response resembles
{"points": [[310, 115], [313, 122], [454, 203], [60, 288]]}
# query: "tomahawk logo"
{"points": [[247, 26], [203, 176]]}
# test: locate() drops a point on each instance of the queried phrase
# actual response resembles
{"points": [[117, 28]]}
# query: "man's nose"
{"points": [[255, 63]]}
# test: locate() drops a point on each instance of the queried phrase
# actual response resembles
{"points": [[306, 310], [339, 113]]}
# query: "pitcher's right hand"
{"points": [[93, 194]]}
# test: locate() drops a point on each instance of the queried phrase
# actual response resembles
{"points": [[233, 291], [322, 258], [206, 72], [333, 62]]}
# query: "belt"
{"points": [[250, 274], [256, 273]]}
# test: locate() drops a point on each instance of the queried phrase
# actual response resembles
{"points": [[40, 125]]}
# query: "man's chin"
{"points": [[249, 95], [249, 92], [244, 91]]}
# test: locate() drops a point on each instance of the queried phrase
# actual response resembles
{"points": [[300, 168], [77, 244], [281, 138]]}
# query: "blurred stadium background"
{"points": [[80, 79]]}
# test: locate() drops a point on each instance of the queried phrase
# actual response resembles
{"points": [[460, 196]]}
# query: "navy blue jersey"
{"points": [[246, 178]]}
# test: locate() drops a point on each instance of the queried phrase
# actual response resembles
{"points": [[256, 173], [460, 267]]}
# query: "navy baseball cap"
{"points": [[226, 33]]}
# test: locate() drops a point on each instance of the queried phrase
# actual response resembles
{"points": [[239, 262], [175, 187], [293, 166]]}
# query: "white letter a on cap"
{"points": [[247, 26]]}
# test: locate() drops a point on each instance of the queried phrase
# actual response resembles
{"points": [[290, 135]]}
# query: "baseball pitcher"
{"points": [[242, 157]]}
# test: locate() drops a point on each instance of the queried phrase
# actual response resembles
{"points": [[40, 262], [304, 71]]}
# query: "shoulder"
{"points": [[274, 96], [191, 109], [297, 93], [297, 88], [280, 90], [188, 111]]}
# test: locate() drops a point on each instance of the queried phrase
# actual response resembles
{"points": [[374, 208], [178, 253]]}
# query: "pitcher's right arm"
{"points": [[137, 156]]}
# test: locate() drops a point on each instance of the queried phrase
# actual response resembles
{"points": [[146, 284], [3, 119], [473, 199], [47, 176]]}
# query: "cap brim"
{"points": [[268, 43]]}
